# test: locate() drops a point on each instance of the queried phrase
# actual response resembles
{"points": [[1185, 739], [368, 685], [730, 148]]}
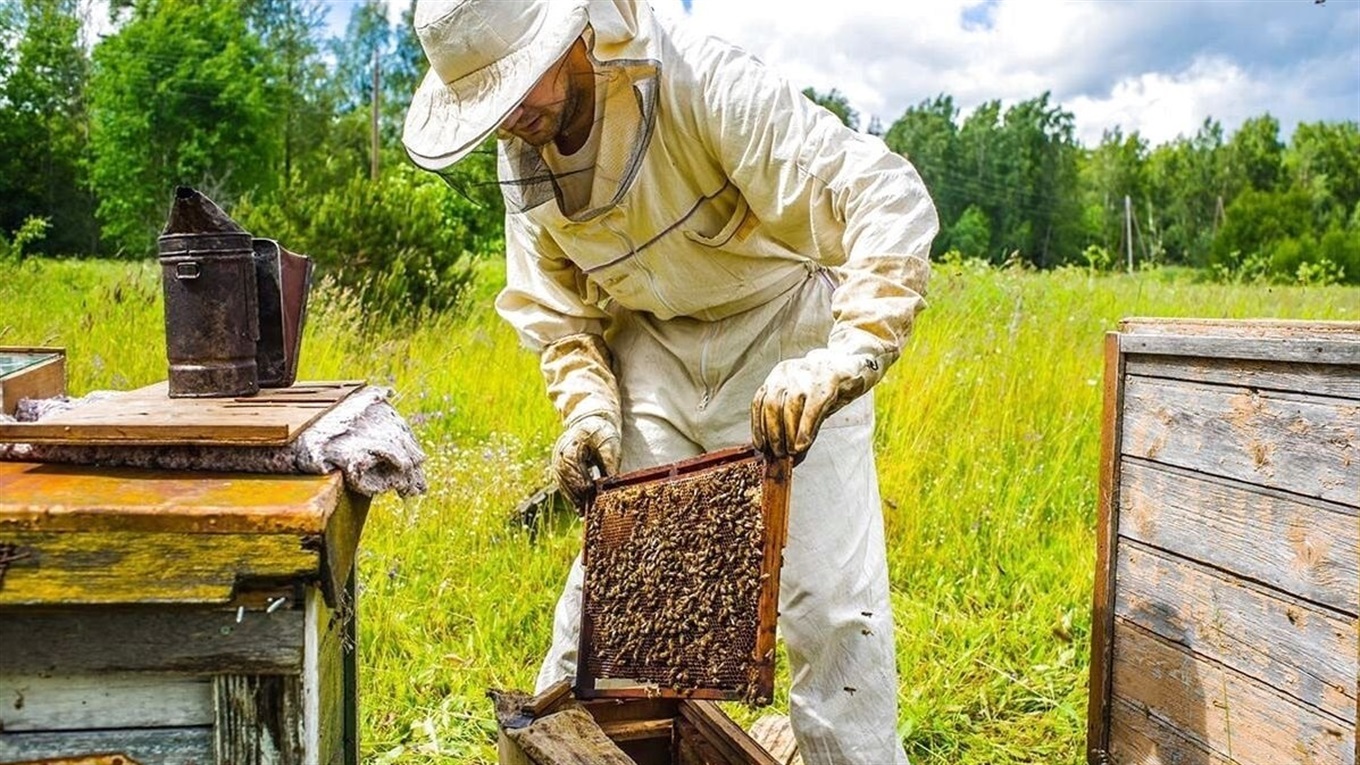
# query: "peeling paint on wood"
{"points": [[133, 567], [36, 496]]}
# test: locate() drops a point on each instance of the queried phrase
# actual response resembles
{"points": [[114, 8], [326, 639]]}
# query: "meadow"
{"points": [[988, 456]]}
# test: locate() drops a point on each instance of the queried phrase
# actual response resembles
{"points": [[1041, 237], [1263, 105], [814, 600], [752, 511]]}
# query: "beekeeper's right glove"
{"points": [[580, 378], [590, 442]]}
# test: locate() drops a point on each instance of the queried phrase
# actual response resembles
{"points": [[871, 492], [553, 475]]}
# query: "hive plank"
{"points": [[1302, 546], [124, 700], [109, 567], [1292, 646], [36, 496], [1235, 716], [1141, 739], [1318, 379], [150, 746], [186, 640], [1304, 444], [259, 719], [149, 417]]}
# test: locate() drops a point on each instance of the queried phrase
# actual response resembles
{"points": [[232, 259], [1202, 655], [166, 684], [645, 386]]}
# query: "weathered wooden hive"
{"points": [[1225, 609], [159, 617]]}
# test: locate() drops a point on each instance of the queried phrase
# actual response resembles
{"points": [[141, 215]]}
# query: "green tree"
{"points": [[975, 176], [927, 134], [1041, 210], [297, 79], [971, 235], [1324, 158], [1188, 181], [1256, 155], [1115, 169], [836, 103], [43, 122], [180, 94]]}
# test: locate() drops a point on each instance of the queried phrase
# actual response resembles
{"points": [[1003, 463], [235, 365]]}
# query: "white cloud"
{"points": [[1159, 68]]}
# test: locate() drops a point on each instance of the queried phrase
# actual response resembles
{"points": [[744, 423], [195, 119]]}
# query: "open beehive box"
{"points": [[682, 580], [555, 729], [30, 373]]}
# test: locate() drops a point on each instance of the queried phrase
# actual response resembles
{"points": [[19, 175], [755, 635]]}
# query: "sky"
{"points": [[1159, 67]]}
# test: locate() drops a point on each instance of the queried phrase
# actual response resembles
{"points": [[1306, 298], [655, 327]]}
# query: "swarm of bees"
{"points": [[673, 575]]}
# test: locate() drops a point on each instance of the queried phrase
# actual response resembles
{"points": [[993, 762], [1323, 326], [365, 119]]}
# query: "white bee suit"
{"points": [[732, 224]]}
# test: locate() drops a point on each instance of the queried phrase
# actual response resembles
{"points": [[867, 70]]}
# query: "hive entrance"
{"points": [[681, 579]]}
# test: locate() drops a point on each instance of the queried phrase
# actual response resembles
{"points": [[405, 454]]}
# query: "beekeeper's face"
{"points": [[550, 108]]}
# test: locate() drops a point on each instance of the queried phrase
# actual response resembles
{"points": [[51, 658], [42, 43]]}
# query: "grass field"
{"points": [[988, 455]]}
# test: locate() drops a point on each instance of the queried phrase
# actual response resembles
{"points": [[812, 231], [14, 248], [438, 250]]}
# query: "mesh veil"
{"points": [[624, 118]]}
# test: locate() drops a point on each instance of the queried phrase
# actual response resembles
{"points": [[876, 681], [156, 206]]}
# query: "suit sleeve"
{"points": [[840, 197]]}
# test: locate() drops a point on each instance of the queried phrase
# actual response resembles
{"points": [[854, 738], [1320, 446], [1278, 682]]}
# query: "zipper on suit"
{"points": [[710, 334]]}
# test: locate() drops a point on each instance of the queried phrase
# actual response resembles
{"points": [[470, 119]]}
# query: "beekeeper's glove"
{"points": [[590, 442], [799, 394], [579, 373]]}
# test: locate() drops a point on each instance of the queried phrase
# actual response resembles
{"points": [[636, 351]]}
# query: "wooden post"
{"points": [[1107, 529]]}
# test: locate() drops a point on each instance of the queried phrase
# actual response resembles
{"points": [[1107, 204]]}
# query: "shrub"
{"points": [[404, 243], [33, 229]]}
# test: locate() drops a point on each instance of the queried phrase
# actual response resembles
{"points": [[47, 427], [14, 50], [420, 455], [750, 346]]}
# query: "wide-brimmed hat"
{"points": [[485, 56]]}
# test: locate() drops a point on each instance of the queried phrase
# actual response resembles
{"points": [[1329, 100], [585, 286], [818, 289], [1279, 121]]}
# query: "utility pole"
{"points": [[1128, 229], [376, 83]]}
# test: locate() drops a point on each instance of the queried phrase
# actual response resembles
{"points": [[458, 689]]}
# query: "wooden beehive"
{"points": [[681, 583], [176, 617], [30, 373], [1225, 610], [554, 728]]}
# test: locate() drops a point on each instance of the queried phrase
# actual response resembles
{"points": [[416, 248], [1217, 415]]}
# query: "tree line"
{"points": [[253, 102]]}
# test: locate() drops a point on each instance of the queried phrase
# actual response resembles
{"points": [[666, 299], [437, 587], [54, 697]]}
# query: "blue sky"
{"points": [[1156, 66]]}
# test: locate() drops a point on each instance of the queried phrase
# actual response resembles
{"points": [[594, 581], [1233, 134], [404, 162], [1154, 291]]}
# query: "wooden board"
{"points": [[259, 719], [149, 417], [1224, 624], [1296, 442], [119, 700], [1303, 546], [1295, 648], [40, 497], [113, 567], [1233, 714], [73, 534], [152, 746], [1318, 379], [180, 640], [30, 373]]}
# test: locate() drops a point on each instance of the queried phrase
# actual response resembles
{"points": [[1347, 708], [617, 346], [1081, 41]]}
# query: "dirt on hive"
{"points": [[673, 574]]}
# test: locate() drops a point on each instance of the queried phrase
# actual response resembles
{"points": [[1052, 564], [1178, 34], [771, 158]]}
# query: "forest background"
{"points": [[297, 132]]}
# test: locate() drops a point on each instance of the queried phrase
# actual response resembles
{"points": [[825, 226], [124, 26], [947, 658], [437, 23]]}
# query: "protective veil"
{"points": [[733, 225]]}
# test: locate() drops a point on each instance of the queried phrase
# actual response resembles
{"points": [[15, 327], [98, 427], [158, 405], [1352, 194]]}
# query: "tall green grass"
{"points": [[987, 450]]}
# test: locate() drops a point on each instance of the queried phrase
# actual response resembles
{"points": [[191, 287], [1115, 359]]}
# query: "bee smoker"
{"points": [[234, 304]]}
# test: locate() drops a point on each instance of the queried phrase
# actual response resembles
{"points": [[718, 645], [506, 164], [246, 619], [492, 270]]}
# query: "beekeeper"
{"points": [[702, 258]]}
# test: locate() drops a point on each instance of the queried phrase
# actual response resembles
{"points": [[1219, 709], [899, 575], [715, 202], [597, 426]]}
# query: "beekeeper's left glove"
{"points": [[799, 394]]}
